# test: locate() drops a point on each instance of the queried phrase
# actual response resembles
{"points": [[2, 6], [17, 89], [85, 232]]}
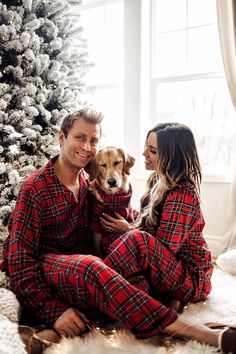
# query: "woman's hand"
{"points": [[71, 323], [118, 225]]}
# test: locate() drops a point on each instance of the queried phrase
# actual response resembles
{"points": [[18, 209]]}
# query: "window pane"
{"points": [[169, 54], [201, 12], [204, 49], [104, 29], [191, 45], [170, 15], [205, 106], [110, 102]]}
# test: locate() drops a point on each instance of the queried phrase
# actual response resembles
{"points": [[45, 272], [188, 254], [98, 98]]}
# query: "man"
{"points": [[51, 216]]}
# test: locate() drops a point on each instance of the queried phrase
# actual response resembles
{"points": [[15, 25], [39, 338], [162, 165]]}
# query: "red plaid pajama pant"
{"points": [[119, 286], [151, 266]]}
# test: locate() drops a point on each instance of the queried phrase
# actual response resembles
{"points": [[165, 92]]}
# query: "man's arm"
{"points": [[26, 279]]}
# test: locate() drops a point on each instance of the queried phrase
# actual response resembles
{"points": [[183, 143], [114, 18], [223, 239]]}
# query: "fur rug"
{"points": [[220, 307]]}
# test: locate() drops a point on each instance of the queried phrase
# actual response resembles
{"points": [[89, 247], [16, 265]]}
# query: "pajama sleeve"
{"points": [[181, 218], [26, 278]]}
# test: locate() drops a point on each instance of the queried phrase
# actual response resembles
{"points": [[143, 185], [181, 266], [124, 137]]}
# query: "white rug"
{"points": [[220, 306]]}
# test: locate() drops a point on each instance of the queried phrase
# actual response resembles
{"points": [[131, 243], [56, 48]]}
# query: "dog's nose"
{"points": [[112, 182]]}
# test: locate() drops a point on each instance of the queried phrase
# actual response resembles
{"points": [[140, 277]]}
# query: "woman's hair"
{"points": [[87, 113], [177, 164]]}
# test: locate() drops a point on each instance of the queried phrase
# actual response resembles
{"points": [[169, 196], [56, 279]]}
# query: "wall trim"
{"points": [[214, 243]]}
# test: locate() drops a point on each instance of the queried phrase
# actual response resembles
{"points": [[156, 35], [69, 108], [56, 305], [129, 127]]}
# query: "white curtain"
{"points": [[229, 241], [226, 12]]}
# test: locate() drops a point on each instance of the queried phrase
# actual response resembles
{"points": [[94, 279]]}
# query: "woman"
{"points": [[164, 253]]}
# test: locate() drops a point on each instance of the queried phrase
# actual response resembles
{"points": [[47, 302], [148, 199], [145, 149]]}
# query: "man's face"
{"points": [[80, 145]]}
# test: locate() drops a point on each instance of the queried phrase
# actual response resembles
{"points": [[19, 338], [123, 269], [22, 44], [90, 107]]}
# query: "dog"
{"points": [[111, 192]]}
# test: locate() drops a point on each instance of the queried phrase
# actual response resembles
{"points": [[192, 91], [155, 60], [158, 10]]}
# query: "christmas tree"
{"points": [[43, 59]]}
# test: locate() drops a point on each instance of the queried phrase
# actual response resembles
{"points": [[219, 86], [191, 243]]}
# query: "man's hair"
{"points": [[88, 114]]}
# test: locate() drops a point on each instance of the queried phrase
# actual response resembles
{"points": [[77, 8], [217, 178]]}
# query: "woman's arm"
{"points": [[181, 218]]}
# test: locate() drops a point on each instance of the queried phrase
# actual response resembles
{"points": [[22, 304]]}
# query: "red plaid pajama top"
{"points": [[111, 203], [47, 219]]}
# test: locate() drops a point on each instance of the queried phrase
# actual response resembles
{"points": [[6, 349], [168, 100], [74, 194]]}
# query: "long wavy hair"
{"points": [[177, 164]]}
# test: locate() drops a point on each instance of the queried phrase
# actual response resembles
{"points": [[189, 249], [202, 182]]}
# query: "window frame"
{"points": [[139, 88], [221, 176]]}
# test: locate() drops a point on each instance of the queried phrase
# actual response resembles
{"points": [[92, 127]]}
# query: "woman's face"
{"points": [[150, 152]]}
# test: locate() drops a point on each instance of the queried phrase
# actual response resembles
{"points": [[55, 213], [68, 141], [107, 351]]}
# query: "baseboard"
{"points": [[214, 243]]}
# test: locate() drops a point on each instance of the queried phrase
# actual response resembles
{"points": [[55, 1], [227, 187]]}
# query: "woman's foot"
{"points": [[200, 333], [227, 337], [228, 341], [219, 336]]}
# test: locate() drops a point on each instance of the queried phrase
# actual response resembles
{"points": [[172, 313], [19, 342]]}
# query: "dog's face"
{"points": [[110, 168]]}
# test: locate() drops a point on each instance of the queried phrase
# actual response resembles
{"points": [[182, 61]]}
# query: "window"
{"points": [[103, 24], [187, 78], [160, 60]]}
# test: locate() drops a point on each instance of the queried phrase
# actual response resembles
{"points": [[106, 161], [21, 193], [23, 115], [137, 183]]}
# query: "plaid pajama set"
{"points": [[111, 203], [172, 261], [48, 258]]}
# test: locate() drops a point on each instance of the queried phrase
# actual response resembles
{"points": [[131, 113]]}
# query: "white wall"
{"points": [[214, 196]]}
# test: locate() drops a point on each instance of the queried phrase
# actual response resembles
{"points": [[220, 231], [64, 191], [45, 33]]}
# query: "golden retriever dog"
{"points": [[111, 192]]}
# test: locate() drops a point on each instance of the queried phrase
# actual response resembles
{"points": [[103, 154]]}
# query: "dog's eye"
{"points": [[117, 163], [103, 165]]}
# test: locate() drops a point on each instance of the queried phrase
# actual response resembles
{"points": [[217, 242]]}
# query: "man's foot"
{"points": [[33, 344], [49, 335], [176, 305]]}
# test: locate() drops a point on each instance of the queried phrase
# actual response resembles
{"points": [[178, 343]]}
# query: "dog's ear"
{"points": [[91, 169], [128, 162]]}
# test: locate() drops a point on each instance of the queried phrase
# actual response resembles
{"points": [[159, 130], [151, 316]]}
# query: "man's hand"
{"points": [[71, 323]]}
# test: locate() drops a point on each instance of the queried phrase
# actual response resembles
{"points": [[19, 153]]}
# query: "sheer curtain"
{"points": [[226, 12]]}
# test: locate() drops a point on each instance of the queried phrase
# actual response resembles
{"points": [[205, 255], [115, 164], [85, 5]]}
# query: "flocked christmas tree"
{"points": [[43, 59]]}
